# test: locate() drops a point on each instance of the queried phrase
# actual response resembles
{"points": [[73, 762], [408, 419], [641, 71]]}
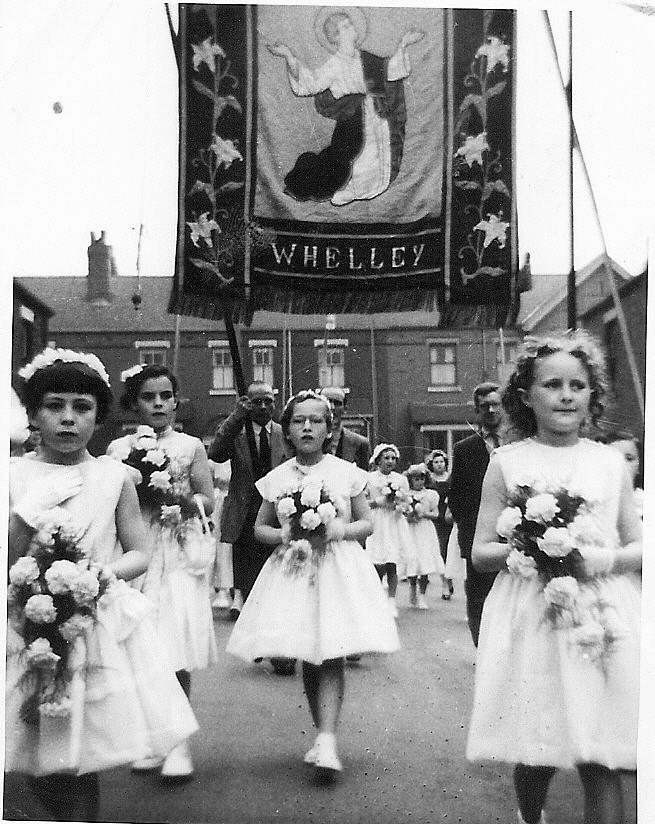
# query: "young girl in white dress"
{"points": [[328, 605], [179, 590], [125, 703], [548, 695], [426, 558], [390, 545]]}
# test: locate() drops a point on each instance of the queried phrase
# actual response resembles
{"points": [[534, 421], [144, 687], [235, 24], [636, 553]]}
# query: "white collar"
{"points": [[257, 428]]}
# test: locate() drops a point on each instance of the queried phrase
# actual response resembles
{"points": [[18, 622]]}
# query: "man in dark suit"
{"points": [[346, 444], [470, 461]]}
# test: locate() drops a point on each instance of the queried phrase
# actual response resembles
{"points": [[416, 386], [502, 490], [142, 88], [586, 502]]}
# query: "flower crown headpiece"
{"points": [[51, 356], [137, 369], [383, 447], [416, 469]]}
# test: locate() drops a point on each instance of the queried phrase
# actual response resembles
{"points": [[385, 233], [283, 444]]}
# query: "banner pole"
{"points": [[239, 379]]}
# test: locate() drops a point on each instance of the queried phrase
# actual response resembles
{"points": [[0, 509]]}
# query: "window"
{"points": [[443, 436], [330, 366], [27, 334], [222, 372], [443, 364], [262, 364], [152, 357]]}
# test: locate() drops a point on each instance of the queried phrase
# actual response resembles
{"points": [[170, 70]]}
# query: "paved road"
{"points": [[402, 739]]}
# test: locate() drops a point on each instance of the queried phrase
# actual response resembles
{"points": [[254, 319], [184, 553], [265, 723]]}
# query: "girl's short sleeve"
{"points": [[358, 481], [269, 486]]}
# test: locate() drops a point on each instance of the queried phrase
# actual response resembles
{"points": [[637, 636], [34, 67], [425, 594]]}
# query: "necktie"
{"points": [[264, 452]]}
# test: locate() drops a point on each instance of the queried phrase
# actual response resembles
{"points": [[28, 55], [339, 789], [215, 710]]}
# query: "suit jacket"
{"points": [[242, 500], [470, 461], [354, 448]]}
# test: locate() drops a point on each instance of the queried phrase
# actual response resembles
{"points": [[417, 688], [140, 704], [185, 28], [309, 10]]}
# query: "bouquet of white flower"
{"points": [[393, 496], [52, 599], [552, 532], [305, 510], [145, 455], [412, 508]]}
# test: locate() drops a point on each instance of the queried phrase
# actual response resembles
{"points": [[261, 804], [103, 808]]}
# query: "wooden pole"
{"points": [[239, 379], [374, 384]]}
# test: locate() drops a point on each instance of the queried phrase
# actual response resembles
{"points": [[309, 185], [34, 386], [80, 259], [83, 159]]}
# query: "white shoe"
{"points": [[178, 765], [311, 755], [393, 609], [421, 603], [326, 759], [222, 600], [147, 764]]}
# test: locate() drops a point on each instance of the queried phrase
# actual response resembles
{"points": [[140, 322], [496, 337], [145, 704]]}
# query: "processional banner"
{"points": [[343, 159]]}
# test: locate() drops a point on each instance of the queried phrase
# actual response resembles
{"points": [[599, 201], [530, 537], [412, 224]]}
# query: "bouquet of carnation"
{"points": [[305, 510], [152, 463], [52, 600], [394, 496], [552, 531], [412, 508]]}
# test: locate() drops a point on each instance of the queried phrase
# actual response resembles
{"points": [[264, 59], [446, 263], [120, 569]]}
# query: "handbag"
{"points": [[199, 544]]}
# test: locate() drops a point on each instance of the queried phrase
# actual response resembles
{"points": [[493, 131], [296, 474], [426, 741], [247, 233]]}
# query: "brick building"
{"points": [[408, 379], [29, 327]]}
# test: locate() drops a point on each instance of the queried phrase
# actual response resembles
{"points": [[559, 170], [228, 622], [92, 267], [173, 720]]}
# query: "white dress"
{"points": [[128, 705], [315, 614], [538, 701], [390, 542], [180, 593], [426, 557]]}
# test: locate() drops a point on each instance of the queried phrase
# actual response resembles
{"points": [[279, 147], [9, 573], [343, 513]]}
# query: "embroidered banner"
{"points": [[342, 159]]}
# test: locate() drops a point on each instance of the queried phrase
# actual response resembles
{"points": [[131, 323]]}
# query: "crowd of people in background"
{"points": [[302, 532]]}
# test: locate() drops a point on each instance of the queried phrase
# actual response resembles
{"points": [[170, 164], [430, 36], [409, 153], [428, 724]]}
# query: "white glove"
{"points": [[335, 530], [48, 493], [598, 560]]}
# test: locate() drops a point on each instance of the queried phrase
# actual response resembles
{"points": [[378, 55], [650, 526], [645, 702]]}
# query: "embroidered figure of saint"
{"points": [[364, 94]]}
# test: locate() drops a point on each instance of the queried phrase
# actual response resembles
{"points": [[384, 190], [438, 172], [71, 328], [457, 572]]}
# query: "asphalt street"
{"points": [[402, 741]]}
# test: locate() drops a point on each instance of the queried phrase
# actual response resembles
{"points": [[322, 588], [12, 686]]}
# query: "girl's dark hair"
{"points": [[67, 376], [133, 384], [287, 414], [581, 345], [429, 461]]}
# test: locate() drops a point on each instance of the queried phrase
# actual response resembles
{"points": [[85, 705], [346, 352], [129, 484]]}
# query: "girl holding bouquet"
{"points": [[422, 513], [317, 597], [89, 686], [175, 488], [557, 673], [390, 545]]}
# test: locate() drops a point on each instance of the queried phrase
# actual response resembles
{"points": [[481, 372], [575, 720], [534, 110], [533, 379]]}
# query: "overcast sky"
{"points": [[106, 156]]}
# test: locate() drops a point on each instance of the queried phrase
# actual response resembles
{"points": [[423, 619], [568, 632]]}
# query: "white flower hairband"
{"points": [[126, 374], [417, 469], [383, 447], [50, 356]]}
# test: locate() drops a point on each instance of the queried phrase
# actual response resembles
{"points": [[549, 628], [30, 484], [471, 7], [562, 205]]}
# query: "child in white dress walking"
{"points": [[557, 672], [177, 579], [422, 514], [95, 690], [390, 545], [317, 597]]}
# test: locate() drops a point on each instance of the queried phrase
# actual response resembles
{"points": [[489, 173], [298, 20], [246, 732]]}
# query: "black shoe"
{"points": [[353, 659], [284, 666], [234, 614]]}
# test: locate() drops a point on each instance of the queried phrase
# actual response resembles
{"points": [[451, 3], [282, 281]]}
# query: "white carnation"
{"points": [[56, 709], [40, 609], [562, 592], [326, 512], [144, 431], [156, 457], [508, 520], [518, 563], [542, 507], [75, 626], [24, 571], [309, 520], [586, 529], [286, 507], [556, 542], [311, 495], [61, 576], [160, 479], [39, 655], [86, 588]]}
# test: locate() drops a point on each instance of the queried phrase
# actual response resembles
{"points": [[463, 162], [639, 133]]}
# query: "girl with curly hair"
{"points": [[559, 694]]}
